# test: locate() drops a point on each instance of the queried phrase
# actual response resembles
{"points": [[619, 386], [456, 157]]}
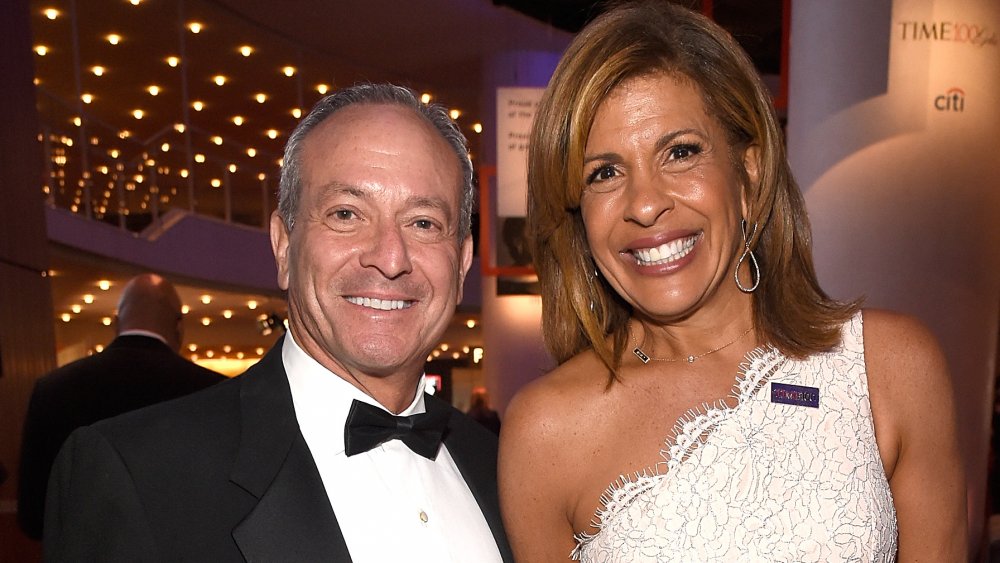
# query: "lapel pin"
{"points": [[799, 395]]}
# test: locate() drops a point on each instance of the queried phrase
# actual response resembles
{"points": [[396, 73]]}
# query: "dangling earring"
{"points": [[754, 267]]}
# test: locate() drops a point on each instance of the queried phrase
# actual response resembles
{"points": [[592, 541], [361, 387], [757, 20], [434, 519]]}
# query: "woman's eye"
{"points": [[680, 152], [602, 174]]}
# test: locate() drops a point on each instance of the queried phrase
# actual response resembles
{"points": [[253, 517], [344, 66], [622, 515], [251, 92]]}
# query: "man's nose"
{"points": [[388, 252]]}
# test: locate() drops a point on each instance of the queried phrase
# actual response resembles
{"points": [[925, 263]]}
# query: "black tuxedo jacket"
{"points": [[221, 475], [132, 372]]}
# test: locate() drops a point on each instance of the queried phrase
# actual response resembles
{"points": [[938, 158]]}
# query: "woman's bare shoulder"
{"points": [[896, 344], [912, 401], [555, 402], [908, 381]]}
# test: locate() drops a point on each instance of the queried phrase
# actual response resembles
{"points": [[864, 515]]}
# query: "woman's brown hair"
{"points": [[580, 311]]}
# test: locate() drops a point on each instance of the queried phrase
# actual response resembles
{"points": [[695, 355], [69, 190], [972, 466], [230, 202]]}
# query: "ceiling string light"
{"points": [[119, 110]]}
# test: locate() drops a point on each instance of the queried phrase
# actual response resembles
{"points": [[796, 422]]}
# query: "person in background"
{"points": [[712, 403], [481, 412], [328, 449], [140, 367]]}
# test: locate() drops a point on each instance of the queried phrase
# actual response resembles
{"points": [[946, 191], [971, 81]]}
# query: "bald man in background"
{"points": [[140, 367]]}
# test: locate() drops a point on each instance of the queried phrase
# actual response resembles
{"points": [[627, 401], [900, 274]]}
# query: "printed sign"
{"points": [[515, 113]]}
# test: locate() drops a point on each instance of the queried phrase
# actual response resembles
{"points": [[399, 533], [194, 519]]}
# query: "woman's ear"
{"points": [[751, 165]]}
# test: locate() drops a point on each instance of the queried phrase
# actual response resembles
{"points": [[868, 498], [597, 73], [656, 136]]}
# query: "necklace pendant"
{"points": [[641, 355], [691, 359]]}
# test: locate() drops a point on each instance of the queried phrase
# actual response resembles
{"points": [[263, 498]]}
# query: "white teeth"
{"points": [[380, 304], [669, 252]]}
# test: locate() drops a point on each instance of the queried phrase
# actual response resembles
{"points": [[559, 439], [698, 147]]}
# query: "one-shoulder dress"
{"points": [[790, 473]]}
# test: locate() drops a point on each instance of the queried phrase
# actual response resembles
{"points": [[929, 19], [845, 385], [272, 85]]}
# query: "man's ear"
{"points": [[751, 164], [279, 245], [465, 256]]}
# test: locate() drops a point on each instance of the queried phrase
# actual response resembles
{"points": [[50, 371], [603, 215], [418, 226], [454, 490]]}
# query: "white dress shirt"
{"points": [[391, 504]]}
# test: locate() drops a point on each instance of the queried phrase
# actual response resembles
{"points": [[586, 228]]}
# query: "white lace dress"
{"points": [[762, 481]]}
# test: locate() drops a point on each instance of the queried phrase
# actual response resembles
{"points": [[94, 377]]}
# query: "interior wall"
{"points": [[902, 181], [27, 342]]}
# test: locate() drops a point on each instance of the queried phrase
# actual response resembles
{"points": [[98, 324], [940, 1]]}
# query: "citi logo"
{"points": [[952, 100]]}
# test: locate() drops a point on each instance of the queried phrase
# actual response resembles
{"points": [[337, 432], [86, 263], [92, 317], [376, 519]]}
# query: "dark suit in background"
{"points": [[132, 372]]}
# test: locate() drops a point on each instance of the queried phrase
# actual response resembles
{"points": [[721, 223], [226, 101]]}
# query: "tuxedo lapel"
{"points": [[292, 520], [474, 451]]}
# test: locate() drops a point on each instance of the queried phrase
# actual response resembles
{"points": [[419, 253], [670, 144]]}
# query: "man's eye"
{"points": [[343, 214], [424, 224]]}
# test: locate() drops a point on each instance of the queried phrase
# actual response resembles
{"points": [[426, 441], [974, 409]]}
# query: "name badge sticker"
{"points": [[798, 395]]}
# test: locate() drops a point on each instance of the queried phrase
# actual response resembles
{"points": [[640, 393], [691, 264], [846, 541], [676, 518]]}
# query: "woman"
{"points": [[711, 402]]}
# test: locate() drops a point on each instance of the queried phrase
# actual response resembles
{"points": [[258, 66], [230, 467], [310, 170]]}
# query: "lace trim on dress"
{"points": [[688, 433]]}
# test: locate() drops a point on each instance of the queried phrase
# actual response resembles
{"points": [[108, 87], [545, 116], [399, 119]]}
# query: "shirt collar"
{"points": [[140, 332], [323, 398]]}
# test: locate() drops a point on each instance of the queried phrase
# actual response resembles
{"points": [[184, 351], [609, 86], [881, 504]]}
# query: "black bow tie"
{"points": [[368, 426]]}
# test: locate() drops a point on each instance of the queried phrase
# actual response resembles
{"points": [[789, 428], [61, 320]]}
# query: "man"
{"points": [[140, 367], [299, 459]]}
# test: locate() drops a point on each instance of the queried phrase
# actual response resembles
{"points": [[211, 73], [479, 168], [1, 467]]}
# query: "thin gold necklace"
{"points": [[645, 358]]}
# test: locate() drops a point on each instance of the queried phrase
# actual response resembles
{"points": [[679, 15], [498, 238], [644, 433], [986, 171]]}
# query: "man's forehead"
{"points": [[368, 119], [367, 143]]}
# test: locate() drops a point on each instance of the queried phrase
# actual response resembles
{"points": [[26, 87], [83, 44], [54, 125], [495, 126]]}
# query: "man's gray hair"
{"points": [[372, 94]]}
